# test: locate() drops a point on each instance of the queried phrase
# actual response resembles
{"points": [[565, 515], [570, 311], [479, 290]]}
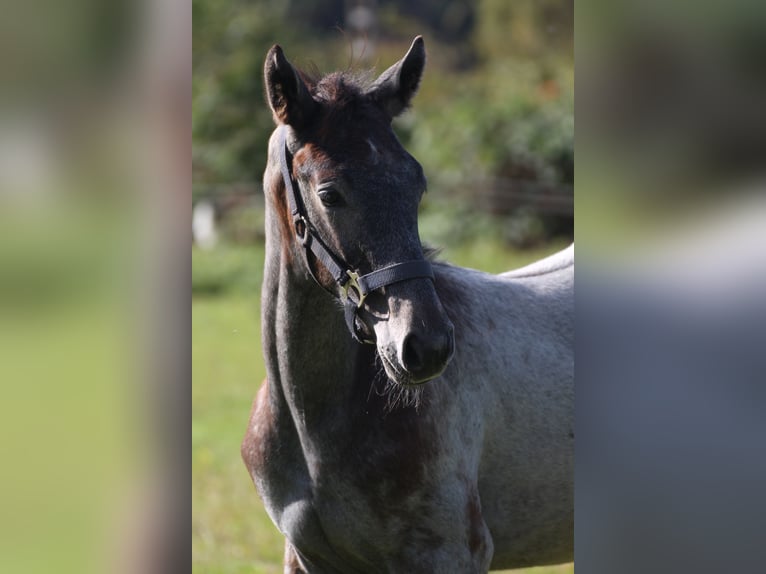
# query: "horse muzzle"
{"points": [[417, 341]]}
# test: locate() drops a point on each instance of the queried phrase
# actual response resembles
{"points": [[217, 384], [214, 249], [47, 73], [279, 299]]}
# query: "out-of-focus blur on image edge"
{"points": [[670, 298], [94, 286]]}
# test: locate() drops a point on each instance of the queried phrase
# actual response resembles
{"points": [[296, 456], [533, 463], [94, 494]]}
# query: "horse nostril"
{"points": [[412, 356], [425, 356]]}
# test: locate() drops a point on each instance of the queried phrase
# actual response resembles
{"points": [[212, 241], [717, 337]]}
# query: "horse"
{"points": [[416, 416]]}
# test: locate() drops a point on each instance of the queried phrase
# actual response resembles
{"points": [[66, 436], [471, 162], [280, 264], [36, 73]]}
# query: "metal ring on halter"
{"points": [[353, 285], [301, 228]]}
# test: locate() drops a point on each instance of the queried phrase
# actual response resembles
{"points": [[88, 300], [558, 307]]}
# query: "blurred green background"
{"points": [[492, 126]]}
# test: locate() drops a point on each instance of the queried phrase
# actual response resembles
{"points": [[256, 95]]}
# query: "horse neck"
{"points": [[313, 366]]}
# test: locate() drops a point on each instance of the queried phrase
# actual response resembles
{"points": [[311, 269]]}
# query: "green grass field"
{"points": [[231, 533]]}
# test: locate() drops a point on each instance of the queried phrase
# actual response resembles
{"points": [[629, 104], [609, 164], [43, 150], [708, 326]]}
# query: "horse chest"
{"points": [[354, 496], [357, 490], [398, 524], [368, 478], [365, 525]]}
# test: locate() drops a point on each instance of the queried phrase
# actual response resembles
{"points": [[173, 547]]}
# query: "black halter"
{"points": [[354, 287]]}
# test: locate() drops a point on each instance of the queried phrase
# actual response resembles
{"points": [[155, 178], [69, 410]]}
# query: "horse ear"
{"points": [[288, 96], [395, 87]]}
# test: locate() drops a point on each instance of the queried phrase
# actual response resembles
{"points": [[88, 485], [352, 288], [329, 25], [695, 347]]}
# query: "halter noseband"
{"points": [[354, 287]]}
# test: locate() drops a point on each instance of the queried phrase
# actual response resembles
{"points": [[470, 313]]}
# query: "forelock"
{"points": [[343, 100], [340, 89]]}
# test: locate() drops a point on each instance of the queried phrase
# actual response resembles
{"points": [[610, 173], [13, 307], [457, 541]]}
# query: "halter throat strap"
{"points": [[354, 287]]}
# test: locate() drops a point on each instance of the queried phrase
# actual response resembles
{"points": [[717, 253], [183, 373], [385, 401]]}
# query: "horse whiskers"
{"points": [[396, 395], [405, 397], [378, 379]]}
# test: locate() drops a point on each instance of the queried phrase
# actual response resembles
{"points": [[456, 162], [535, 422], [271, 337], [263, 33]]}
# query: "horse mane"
{"points": [[337, 91], [432, 253]]}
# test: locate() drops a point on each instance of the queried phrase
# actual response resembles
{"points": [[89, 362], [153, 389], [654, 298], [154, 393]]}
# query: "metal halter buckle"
{"points": [[353, 285]]}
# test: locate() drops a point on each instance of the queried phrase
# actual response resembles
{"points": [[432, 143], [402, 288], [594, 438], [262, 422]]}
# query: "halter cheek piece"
{"points": [[354, 287]]}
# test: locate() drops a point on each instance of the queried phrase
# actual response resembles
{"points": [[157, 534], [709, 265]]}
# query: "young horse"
{"points": [[360, 467]]}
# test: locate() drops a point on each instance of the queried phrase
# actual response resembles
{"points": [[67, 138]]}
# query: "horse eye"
{"points": [[330, 197]]}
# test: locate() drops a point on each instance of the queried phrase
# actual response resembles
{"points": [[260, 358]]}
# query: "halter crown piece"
{"points": [[354, 287]]}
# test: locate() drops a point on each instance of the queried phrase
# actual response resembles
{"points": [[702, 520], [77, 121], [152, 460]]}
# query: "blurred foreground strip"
{"points": [[94, 136], [671, 287]]}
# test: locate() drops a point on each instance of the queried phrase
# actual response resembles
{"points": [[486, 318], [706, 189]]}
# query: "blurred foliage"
{"points": [[496, 102], [509, 119], [228, 116], [245, 225]]}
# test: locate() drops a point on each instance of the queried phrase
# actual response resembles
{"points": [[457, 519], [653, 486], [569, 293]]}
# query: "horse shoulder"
{"points": [[254, 442], [264, 451], [279, 473], [515, 363]]}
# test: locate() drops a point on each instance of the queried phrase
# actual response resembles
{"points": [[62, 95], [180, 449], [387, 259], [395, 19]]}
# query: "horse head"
{"points": [[356, 192]]}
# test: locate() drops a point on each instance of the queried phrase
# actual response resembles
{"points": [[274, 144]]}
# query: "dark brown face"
{"points": [[361, 191]]}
